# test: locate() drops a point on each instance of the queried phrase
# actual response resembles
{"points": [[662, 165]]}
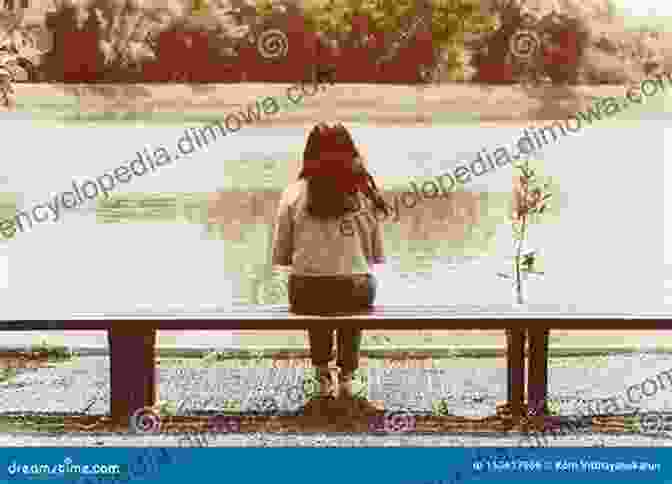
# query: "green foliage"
{"points": [[440, 408], [553, 407], [360, 384], [44, 350], [310, 384], [7, 374], [633, 424], [170, 408], [376, 340], [612, 10], [451, 19], [264, 8]]}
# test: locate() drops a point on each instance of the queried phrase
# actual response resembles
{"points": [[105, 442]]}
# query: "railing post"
{"points": [[537, 371], [515, 357], [132, 372]]}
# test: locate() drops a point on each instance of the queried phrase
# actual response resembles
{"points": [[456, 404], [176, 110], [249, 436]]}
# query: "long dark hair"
{"points": [[334, 174]]}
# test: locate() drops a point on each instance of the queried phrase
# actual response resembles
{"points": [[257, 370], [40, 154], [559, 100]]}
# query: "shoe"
{"points": [[325, 387], [345, 385], [355, 405], [321, 402]]}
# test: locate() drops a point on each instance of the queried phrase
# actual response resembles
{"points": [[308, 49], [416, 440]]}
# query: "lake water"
{"points": [[600, 244]]}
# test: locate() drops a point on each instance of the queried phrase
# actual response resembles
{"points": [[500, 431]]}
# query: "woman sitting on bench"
{"points": [[331, 272]]}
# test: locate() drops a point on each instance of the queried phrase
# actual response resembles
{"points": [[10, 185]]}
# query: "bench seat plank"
{"points": [[531, 311], [387, 318]]}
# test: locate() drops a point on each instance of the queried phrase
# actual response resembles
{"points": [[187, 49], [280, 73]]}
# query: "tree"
{"points": [[449, 20], [525, 46], [530, 201]]}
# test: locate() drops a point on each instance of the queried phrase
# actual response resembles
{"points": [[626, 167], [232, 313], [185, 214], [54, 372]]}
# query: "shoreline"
{"points": [[456, 103], [294, 344]]}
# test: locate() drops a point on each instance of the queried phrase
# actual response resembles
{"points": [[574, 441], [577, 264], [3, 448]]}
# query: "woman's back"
{"points": [[316, 246], [331, 262]]}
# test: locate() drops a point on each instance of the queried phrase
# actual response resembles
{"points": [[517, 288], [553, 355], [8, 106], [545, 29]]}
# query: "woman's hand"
{"points": [[358, 165]]}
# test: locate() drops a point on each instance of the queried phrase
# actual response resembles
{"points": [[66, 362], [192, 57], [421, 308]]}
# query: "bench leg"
{"points": [[537, 371], [132, 370], [516, 371]]}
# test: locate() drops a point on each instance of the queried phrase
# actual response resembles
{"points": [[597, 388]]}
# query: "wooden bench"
{"points": [[132, 339]]}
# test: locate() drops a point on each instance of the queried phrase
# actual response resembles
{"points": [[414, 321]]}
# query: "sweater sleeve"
{"points": [[283, 236], [371, 233], [378, 255]]}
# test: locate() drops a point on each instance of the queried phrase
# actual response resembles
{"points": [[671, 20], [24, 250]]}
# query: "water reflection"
{"points": [[435, 236]]}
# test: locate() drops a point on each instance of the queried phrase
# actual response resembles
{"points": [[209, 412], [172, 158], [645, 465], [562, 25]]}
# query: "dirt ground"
{"points": [[339, 415]]}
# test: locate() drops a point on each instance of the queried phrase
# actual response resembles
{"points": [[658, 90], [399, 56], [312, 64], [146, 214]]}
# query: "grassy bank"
{"points": [[458, 103]]}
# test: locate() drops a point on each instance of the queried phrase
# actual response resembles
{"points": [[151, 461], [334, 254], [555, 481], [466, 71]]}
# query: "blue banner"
{"points": [[334, 465]]}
